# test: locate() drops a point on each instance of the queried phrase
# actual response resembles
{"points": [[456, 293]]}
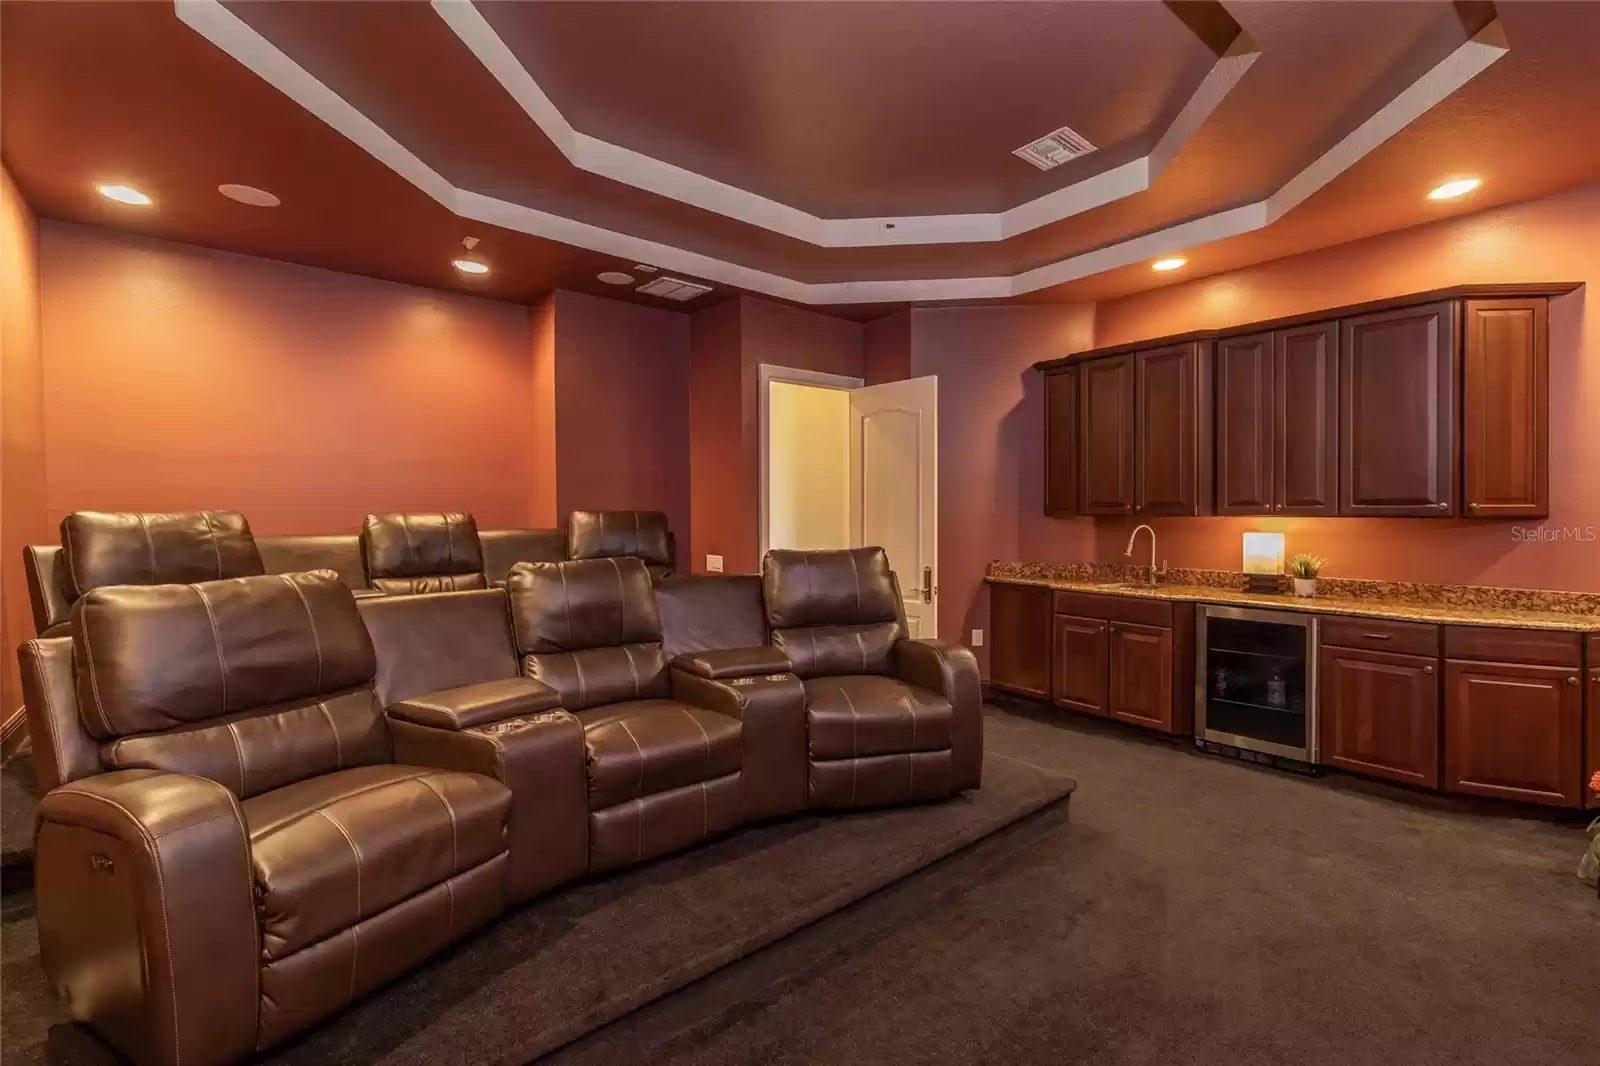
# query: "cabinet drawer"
{"points": [[1540, 647], [1379, 634], [1115, 608]]}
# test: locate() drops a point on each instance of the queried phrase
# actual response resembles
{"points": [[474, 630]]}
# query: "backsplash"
{"points": [[1583, 603]]}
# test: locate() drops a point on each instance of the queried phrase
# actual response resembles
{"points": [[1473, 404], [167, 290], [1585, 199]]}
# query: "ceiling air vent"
{"points": [[1053, 149], [671, 288]]}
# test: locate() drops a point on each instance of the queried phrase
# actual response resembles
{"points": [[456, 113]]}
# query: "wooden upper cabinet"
{"points": [[1106, 435], [1061, 463], [1245, 418], [1514, 731], [1505, 409], [1172, 464], [1305, 431], [1019, 644], [1397, 403]]}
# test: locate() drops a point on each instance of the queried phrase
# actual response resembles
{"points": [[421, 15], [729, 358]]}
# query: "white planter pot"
{"points": [[1305, 586]]}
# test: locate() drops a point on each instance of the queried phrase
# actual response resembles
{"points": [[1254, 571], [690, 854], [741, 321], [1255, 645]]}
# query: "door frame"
{"points": [[766, 374]]}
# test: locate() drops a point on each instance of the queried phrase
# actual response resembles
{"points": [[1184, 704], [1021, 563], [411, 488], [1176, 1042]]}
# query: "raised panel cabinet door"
{"points": [[1245, 403], [1514, 731], [1080, 663], [1505, 409], [1305, 466], [1019, 644], [1061, 463], [1141, 675], [1105, 435], [1397, 412], [1172, 455], [1380, 714]]}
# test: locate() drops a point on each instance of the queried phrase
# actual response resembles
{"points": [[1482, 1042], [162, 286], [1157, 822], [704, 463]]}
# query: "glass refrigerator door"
{"points": [[1256, 680]]}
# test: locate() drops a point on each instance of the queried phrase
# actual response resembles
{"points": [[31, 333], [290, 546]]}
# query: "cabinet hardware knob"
{"points": [[1278, 507], [1444, 505], [1572, 680], [1472, 507], [1427, 669]]}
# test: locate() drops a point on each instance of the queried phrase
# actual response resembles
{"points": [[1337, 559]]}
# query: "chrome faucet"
{"points": [[1154, 573]]}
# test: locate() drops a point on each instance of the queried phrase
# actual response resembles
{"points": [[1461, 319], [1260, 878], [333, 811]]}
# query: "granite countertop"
{"points": [[1396, 609]]}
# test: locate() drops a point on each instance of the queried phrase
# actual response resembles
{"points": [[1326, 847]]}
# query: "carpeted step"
{"points": [[19, 801]]}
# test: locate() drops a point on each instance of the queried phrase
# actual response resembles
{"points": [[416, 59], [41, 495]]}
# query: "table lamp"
{"points": [[1263, 562]]}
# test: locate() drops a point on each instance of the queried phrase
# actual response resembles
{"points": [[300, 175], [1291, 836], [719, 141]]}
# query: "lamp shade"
{"points": [[1263, 553]]}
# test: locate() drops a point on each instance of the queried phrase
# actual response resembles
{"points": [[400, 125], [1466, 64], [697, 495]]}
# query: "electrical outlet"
{"points": [[714, 564], [977, 638]]}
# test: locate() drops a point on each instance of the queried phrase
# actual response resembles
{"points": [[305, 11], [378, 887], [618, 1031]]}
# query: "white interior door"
{"points": [[894, 488]]}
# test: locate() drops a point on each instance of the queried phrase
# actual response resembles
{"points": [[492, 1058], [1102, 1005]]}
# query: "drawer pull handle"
{"points": [[1377, 636]]}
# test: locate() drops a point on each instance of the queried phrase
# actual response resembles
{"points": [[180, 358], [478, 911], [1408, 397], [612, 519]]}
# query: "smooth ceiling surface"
{"points": [[837, 110]]}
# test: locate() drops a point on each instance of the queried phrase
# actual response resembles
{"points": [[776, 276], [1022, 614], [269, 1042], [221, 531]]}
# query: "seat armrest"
{"points": [[735, 662], [476, 705], [950, 670], [771, 710], [542, 759], [147, 917]]}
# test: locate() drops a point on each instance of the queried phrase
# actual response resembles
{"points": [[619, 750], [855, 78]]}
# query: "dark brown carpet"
{"points": [[1191, 911], [590, 953]]}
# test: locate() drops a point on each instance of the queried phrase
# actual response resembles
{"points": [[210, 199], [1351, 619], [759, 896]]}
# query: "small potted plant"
{"points": [[1589, 868], [1304, 569]]}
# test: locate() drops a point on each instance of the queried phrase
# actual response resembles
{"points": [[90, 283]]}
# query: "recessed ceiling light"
{"points": [[1452, 189], [249, 194], [1170, 263], [644, 268], [470, 266], [615, 277], [124, 194]]}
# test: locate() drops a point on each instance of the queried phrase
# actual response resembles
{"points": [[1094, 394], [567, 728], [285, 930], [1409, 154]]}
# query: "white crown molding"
{"points": [[222, 28], [665, 179]]}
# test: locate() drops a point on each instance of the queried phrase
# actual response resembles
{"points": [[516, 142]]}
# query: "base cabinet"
{"points": [[1081, 662], [1019, 646], [1141, 675], [1592, 727], [1380, 714], [1514, 731]]}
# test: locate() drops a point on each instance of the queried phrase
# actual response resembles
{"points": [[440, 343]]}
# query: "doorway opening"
{"points": [[845, 465]]}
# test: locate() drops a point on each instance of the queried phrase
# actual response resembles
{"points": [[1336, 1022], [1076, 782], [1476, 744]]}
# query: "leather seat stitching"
{"points": [[338, 746], [855, 759], [449, 545], [355, 936], [639, 788], [94, 674], [856, 574], [161, 891], [633, 670], [72, 549], [311, 619], [150, 549], [622, 604], [277, 826], [216, 549], [216, 635], [450, 812], [583, 686], [238, 749]]}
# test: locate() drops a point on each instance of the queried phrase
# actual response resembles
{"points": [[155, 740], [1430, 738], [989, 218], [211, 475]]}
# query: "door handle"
{"points": [[927, 584]]}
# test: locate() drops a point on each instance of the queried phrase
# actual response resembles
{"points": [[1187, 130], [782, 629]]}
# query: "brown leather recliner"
{"points": [[231, 851], [409, 553], [641, 535], [667, 760], [888, 719]]}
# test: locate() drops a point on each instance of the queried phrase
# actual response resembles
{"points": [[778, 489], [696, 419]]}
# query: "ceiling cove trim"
{"points": [[657, 176], [235, 37]]}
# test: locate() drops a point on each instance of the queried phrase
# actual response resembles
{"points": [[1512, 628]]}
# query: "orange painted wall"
{"points": [[729, 342], [1553, 239], [177, 377], [22, 484]]}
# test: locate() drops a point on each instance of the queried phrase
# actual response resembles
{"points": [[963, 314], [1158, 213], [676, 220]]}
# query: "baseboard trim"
{"points": [[14, 733]]}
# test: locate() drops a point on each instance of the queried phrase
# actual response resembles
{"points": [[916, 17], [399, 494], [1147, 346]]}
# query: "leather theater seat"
{"points": [[663, 774]]}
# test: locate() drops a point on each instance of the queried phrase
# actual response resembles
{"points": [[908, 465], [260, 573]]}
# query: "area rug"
{"points": [[588, 954]]}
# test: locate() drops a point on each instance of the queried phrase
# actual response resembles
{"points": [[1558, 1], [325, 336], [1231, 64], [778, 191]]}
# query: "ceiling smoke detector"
{"points": [[1053, 149], [671, 288]]}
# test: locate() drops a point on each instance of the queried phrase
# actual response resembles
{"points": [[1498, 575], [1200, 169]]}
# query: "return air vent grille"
{"points": [[671, 288], [1053, 149]]}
